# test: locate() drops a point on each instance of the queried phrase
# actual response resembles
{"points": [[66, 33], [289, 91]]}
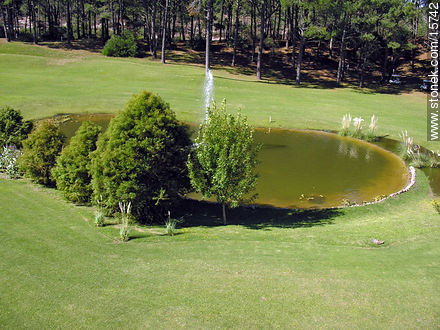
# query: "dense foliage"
{"points": [[8, 161], [223, 161], [121, 46], [40, 151], [340, 35], [141, 158], [72, 171], [13, 129]]}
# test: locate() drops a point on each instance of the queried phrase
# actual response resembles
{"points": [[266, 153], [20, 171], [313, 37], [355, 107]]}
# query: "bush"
{"points": [[40, 151], [25, 36], [72, 171], [121, 46], [13, 130], [8, 161], [141, 156], [436, 205]]}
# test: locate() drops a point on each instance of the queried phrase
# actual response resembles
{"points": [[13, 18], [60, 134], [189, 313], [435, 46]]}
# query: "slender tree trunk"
{"points": [[224, 213], [5, 26], [300, 58], [260, 50], [385, 65], [83, 19], [287, 18], [69, 23], [191, 32], [237, 24], [229, 26], [341, 58], [34, 22], [182, 26], [221, 19], [95, 25], [153, 31], [294, 31], [208, 34], [253, 31], [361, 80], [164, 32], [330, 48]]}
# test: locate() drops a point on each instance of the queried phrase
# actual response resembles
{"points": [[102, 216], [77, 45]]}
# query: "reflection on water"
{"points": [[309, 169]]}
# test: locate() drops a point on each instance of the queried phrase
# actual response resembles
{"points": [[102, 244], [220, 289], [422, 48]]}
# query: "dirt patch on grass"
{"points": [[64, 61]]}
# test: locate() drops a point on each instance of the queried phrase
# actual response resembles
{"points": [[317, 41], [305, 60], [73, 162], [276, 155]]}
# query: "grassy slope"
{"points": [[42, 82], [59, 271]]}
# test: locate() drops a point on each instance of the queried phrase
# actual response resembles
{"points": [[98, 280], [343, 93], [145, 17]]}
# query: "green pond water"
{"points": [[310, 169]]}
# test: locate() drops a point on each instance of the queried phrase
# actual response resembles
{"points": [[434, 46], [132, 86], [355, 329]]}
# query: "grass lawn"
{"points": [[269, 268], [42, 82]]}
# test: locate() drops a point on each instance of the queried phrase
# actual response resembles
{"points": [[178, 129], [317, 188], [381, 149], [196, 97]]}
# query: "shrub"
{"points": [[72, 170], [13, 129], [141, 156], [124, 231], [170, 225], [436, 205], [8, 161], [121, 46], [40, 151]]}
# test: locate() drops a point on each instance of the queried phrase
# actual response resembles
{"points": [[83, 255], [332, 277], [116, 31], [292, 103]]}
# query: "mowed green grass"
{"points": [[58, 271], [42, 82], [270, 269]]}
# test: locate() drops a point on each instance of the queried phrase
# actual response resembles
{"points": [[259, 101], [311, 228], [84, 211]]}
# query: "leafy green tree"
{"points": [[13, 129], [72, 171], [223, 162], [141, 158], [40, 151]]}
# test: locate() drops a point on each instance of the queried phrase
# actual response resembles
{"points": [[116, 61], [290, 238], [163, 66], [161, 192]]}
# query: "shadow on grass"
{"points": [[201, 213]]}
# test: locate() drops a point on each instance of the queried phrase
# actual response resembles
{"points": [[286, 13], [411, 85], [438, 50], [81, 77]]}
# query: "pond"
{"points": [[310, 169]]}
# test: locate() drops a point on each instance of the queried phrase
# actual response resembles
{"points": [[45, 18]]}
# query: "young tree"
{"points": [[40, 151], [141, 158], [72, 171], [223, 162]]}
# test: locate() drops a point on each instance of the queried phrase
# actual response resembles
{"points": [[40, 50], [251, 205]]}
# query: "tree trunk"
{"points": [[260, 50], [5, 26], [182, 26], [330, 48], [253, 31], [237, 24], [208, 35], [300, 59], [341, 59], [224, 213], [153, 31], [191, 32], [69, 23], [288, 23], [361, 80], [221, 19], [385, 65], [294, 31], [164, 32]]}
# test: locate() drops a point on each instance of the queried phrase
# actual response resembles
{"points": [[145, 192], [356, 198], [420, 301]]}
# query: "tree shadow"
{"points": [[202, 213]]}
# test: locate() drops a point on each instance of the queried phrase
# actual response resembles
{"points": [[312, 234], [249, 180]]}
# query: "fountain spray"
{"points": [[208, 91]]}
